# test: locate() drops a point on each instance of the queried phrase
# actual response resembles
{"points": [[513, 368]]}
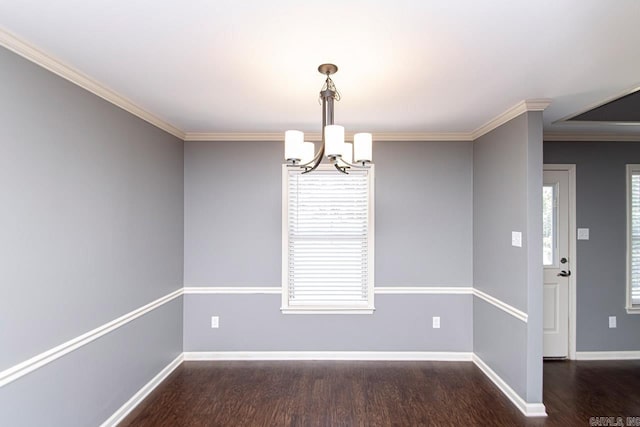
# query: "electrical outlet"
{"points": [[612, 322], [215, 322], [436, 322]]}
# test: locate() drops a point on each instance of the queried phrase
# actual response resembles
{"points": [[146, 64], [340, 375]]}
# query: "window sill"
{"points": [[633, 310], [300, 310]]}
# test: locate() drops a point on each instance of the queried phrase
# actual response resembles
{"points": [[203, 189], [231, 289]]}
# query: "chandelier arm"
{"points": [[361, 165], [342, 169], [317, 161]]}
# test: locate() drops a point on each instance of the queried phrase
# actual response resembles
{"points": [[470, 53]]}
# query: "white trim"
{"points": [[135, 400], [316, 136], [581, 136], [404, 136], [232, 290], [511, 113], [573, 253], [328, 310], [519, 314], [21, 369], [621, 94], [432, 290], [528, 409], [607, 355], [330, 355], [631, 169], [379, 290], [56, 66]]}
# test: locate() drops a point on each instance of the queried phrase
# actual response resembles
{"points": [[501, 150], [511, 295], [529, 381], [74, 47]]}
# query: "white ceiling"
{"points": [[405, 66]]}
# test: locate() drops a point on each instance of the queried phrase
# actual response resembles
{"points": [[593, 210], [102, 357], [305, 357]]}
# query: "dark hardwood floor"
{"points": [[380, 394]]}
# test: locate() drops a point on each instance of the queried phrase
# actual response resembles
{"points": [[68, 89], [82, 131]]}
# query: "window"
{"points": [[549, 226], [327, 241], [633, 238]]}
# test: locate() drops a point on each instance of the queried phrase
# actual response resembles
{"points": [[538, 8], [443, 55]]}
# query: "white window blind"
{"points": [[633, 236], [328, 241]]}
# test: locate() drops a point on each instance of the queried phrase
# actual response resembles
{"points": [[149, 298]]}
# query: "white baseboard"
{"points": [[135, 400], [528, 409], [607, 355], [329, 355]]}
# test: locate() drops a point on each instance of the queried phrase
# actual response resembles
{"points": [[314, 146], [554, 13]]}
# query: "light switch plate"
{"points": [[215, 322], [516, 239], [612, 322], [583, 234], [436, 322]]}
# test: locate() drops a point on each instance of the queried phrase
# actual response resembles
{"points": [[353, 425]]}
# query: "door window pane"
{"points": [[549, 221]]}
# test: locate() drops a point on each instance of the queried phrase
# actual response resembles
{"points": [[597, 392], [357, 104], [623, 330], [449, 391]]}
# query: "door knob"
{"points": [[564, 273]]}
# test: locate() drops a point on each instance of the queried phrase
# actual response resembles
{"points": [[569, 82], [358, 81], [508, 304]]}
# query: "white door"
{"points": [[557, 261]]}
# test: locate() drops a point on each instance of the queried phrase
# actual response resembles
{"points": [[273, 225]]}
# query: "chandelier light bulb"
{"points": [[307, 152], [362, 147], [293, 140], [334, 140]]}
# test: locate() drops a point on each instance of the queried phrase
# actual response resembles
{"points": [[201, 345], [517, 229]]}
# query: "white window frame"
{"points": [[336, 308], [632, 169]]}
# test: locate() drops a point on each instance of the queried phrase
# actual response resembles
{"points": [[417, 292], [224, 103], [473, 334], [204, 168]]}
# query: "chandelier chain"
{"points": [[329, 85]]}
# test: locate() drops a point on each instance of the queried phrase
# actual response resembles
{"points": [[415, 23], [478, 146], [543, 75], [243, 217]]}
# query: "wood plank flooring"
{"points": [[305, 393]]}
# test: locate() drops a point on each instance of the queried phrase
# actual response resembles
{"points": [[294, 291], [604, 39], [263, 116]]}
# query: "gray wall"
{"points": [[601, 260], [88, 385], [423, 236], [400, 323], [233, 214], [91, 228], [507, 193]]}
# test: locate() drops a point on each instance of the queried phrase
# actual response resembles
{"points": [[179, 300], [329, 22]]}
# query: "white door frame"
{"points": [[573, 258]]}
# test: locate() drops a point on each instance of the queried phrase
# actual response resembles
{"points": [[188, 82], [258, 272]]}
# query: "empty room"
{"points": [[319, 213]]}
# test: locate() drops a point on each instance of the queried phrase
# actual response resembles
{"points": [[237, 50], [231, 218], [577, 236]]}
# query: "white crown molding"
{"points": [[316, 136], [518, 314], [600, 103], [330, 355], [528, 409], [607, 355], [595, 137], [511, 113], [21, 369], [48, 62], [137, 398]]}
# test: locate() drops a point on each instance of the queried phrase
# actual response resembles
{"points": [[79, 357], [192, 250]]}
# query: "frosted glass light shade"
{"points": [[362, 147], [347, 152], [333, 140], [307, 152], [293, 140]]}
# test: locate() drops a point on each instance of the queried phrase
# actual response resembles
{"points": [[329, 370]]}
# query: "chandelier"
{"points": [[341, 154]]}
